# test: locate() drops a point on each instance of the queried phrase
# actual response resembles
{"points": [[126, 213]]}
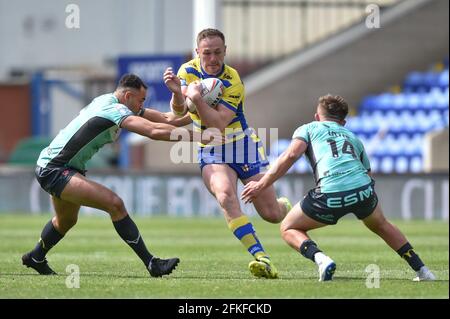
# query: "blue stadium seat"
{"points": [[442, 100], [428, 102], [369, 126], [353, 124], [418, 81], [416, 164], [401, 164], [407, 122], [387, 165], [377, 148], [394, 122], [423, 122], [438, 120], [399, 101], [415, 145], [369, 102], [443, 80], [395, 144], [413, 81], [413, 101], [421, 107], [430, 79], [374, 164], [385, 101]]}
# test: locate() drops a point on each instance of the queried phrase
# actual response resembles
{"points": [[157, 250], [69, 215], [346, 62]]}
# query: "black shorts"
{"points": [[328, 208], [54, 179]]}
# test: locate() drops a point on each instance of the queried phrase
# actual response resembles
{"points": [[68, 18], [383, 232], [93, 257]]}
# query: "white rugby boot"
{"points": [[327, 266], [424, 274]]}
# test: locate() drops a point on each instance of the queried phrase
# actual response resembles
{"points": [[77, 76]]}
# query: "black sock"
{"points": [[49, 238], [308, 249], [408, 254], [129, 232]]}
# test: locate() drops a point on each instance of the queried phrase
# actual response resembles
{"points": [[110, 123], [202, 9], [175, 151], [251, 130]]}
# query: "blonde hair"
{"points": [[210, 33]]}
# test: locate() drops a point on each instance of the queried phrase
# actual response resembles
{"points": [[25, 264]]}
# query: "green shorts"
{"points": [[328, 208]]}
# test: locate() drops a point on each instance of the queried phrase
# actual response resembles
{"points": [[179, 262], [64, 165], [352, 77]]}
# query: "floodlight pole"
{"points": [[207, 14]]}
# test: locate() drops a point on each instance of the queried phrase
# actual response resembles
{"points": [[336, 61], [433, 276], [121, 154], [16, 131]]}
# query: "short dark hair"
{"points": [[131, 81], [205, 33], [334, 107]]}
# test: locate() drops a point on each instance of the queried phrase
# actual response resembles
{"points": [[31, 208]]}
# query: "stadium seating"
{"points": [[27, 151], [392, 126]]}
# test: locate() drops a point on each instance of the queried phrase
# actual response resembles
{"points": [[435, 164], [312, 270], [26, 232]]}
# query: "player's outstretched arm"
{"points": [[167, 132], [156, 131], [279, 169], [177, 120], [167, 118]]}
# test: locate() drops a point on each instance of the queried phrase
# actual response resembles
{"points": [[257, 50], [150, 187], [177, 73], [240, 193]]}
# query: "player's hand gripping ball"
{"points": [[211, 92]]}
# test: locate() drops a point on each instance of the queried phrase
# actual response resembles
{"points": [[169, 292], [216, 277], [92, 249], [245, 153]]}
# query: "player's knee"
{"points": [[284, 227], [272, 217], [117, 207], [225, 198], [283, 233]]}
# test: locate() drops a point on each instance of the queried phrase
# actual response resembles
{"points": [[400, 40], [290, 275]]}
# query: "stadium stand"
{"points": [[393, 126], [27, 151]]}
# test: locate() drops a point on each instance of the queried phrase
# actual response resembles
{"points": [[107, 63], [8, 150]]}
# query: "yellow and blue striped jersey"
{"points": [[232, 98]]}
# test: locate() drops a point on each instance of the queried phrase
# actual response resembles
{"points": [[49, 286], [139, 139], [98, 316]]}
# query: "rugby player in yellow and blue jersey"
{"points": [[344, 185], [241, 157], [61, 171]]}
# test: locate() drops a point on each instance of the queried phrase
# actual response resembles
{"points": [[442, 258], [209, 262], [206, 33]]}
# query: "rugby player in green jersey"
{"points": [[344, 185], [61, 170]]}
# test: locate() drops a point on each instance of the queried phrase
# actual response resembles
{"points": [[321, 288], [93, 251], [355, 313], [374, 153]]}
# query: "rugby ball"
{"points": [[211, 91]]}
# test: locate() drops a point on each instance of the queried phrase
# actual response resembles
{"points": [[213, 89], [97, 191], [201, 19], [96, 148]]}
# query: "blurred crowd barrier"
{"points": [[402, 196]]}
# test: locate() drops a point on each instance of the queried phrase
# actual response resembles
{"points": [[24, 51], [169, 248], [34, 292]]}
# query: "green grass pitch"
{"points": [[214, 263]]}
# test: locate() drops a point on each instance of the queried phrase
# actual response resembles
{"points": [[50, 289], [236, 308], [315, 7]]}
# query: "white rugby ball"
{"points": [[211, 91]]}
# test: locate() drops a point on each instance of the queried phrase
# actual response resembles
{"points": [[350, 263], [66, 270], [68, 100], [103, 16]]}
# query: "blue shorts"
{"points": [[246, 156]]}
